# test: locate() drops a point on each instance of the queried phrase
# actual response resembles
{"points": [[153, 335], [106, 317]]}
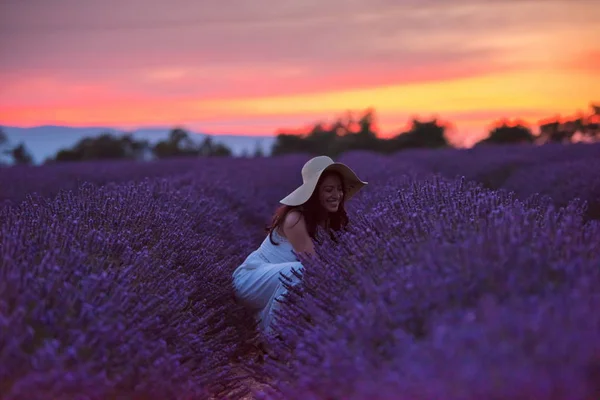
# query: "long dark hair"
{"points": [[313, 212]]}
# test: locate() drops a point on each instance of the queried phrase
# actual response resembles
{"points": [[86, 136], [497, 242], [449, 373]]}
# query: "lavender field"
{"points": [[466, 274]]}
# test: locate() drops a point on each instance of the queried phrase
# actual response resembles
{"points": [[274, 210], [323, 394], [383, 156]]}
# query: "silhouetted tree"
{"points": [[135, 149], [105, 146], [3, 138], [592, 125], [164, 149], [342, 135], [322, 140], [181, 139], [258, 150], [178, 144], [360, 135], [21, 155], [366, 124], [564, 130], [290, 143], [4, 150], [508, 134], [346, 135], [554, 132], [428, 134], [208, 148], [589, 125]]}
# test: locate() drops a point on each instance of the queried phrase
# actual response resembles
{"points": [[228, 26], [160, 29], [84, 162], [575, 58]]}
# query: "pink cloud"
{"points": [[213, 83], [70, 55], [110, 37]]}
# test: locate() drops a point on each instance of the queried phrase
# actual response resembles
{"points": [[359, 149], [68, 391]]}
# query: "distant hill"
{"points": [[45, 141]]}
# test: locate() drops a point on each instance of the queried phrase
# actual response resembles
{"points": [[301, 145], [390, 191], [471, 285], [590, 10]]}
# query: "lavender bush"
{"points": [[115, 280], [494, 166], [561, 181], [121, 292], [367, 322], [48, 180]]}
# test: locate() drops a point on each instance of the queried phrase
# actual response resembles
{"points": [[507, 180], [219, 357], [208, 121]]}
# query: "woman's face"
{"points": [[331, 193]]}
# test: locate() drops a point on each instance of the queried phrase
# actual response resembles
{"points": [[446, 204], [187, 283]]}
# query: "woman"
{"points": [[318, 202]]}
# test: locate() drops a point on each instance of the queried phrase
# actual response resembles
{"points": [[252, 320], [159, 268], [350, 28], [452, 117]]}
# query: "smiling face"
{"points": [[331, 193]]}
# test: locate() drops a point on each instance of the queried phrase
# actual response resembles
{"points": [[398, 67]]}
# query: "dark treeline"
{"points": [[109, 146], [347, 134], [344, 134]]}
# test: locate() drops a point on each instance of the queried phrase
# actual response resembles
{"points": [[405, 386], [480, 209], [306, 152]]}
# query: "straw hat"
{"points": [[311, 172]]}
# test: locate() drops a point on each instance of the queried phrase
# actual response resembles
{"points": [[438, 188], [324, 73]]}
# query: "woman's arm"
{"points": [[294, 229]]}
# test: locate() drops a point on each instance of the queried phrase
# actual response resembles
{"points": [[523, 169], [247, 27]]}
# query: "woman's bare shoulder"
{"points": [[292, 218], [293, 222]]}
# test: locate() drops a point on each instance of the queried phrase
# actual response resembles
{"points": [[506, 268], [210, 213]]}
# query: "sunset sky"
{"points": [[254, 66]]}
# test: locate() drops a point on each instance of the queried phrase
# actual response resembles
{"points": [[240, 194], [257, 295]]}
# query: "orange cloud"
{"points": [[587, 62]]}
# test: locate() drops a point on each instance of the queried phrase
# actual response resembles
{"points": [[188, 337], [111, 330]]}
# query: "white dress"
{"points": [[257, 281]]}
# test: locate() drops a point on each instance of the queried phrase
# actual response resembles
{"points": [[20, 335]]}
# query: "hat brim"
{"points": [[301, 195]]}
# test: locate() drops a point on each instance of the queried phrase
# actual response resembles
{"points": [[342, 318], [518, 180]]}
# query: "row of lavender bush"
{"points": [[562, 172], [446, 290], [124, 289], [121, 290]]}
